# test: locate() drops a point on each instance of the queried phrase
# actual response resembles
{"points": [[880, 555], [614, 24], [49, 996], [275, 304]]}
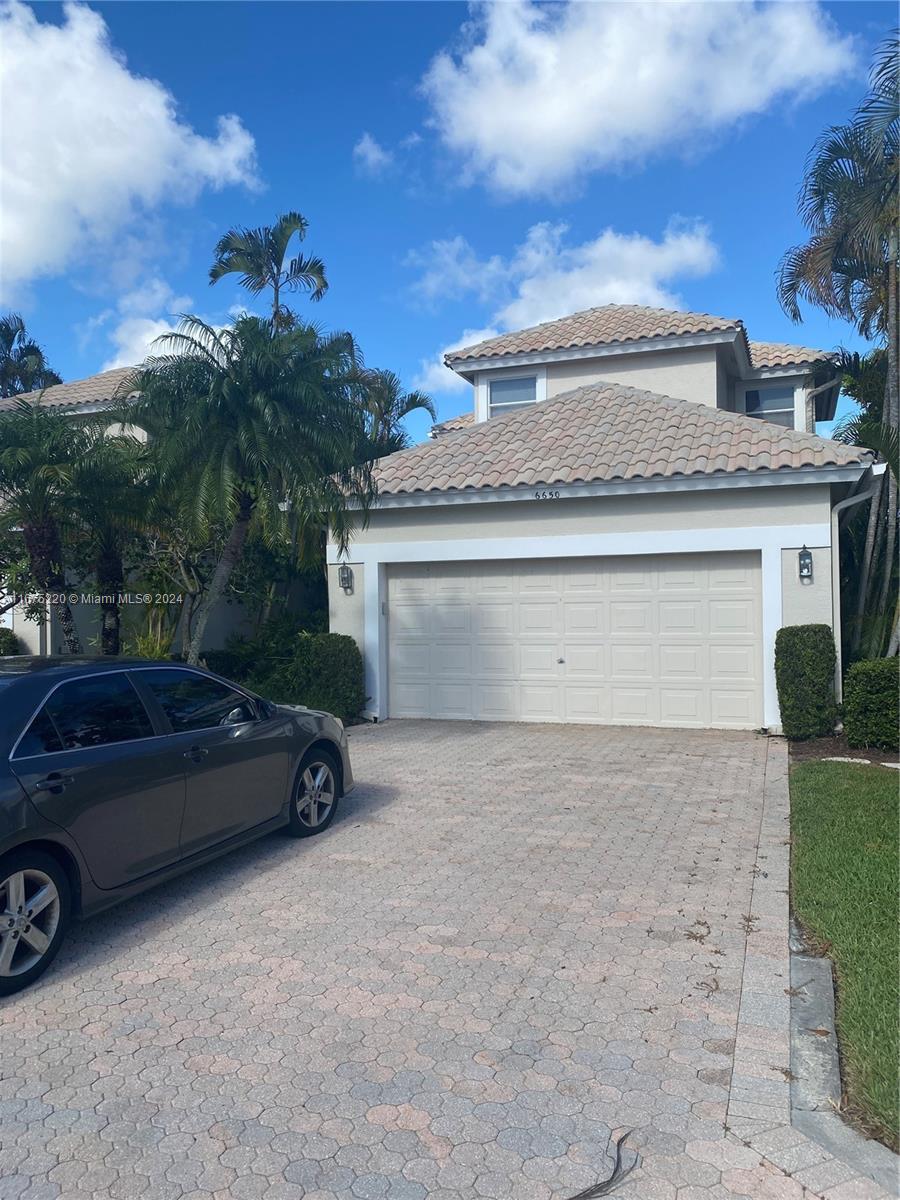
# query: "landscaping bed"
{"points": [[844, 886]]}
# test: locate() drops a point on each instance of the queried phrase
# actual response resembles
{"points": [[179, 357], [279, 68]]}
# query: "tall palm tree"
{"points": [[23, 367], [260, 427], [38, 450], [849, 267], [259, 256], [386, 406], [110, 494]]}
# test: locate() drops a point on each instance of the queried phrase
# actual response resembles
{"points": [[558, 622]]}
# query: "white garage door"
{"points": [[672, 640]]}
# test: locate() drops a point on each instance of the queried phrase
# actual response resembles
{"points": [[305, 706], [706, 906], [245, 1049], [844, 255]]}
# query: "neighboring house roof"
{"points": [[452, 424], [781, 354], [601, 433], [614, 324], [98, 389]]}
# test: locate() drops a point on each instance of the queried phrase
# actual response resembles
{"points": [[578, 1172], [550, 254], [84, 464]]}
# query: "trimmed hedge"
{"points": [[871, 704], [9, 643], [321, 670], [804, 672]]}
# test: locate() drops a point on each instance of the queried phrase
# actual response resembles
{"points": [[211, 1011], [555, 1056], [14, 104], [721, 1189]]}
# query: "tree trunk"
{"points": [[231, 556], [110, 582], [45, 554], [865, 570]]}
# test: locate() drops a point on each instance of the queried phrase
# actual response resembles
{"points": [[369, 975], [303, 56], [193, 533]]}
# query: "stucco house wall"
{"points": [[687, 374]]}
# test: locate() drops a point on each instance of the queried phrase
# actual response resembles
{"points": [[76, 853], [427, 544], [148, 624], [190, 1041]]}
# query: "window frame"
{"points": [[162, 726], [151, 714], [150, 698], [760, 385], [483, 411]]}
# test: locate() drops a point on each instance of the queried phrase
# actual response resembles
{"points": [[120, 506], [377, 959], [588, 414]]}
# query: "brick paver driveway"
{"points": [[514, 940]]}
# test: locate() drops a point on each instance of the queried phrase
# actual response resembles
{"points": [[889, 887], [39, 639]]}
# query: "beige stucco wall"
{"points": [[645, 512], [345, 612], [689, 374], [806, 602]]}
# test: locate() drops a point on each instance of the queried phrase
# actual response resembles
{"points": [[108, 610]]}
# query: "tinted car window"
{"points": [[88, 712], [40, 737], [194, 702]]}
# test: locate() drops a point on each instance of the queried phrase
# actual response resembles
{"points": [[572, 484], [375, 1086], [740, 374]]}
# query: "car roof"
{"points": [[63, 665]]}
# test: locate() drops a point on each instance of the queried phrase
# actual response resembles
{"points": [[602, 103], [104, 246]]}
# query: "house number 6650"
{"points": [[546, 495]]}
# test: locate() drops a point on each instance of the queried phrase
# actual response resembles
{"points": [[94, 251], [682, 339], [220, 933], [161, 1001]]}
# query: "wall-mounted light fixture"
{"points": [[804, 564], [345, 578]]}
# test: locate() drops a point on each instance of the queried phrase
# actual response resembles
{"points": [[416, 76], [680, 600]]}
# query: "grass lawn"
{"points": [[844, 883]]}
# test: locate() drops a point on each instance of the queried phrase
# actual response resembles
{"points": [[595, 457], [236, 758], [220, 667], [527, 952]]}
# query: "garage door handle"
{"points": [[196, 753], [53, 783], [560, 660]]}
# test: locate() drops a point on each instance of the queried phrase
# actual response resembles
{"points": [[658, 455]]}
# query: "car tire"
{"points": [[30, 940], [317, 789]]}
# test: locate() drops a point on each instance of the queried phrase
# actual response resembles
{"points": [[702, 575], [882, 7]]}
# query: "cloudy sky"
{"points": [[464, 169]]}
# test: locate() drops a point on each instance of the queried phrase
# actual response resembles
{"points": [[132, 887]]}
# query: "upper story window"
{"points": [[775, 404], [506, 394]]}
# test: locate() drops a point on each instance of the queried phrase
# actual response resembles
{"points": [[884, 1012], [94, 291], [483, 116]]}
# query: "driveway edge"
{"points": [[810, 1148]]}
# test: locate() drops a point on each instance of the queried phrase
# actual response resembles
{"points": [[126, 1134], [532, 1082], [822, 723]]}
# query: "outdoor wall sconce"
{"points": [[804, 559], [345, 578]]}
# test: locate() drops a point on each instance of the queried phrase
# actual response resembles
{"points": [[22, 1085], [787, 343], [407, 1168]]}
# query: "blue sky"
{"points": [[462, 169]]}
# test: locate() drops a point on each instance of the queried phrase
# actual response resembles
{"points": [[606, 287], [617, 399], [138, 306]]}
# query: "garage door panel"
{"points": [[731, 616], [587, 704], [451, 658], [453, 699], [683, 662], [681, 616], [587, 617], [671, 640], [450, 619], [586, 659], [630, 617], [496, 702], [495, 620], [629, 661]]}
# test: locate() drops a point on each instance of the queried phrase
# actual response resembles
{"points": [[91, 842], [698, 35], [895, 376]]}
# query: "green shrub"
{"points": [[271, 647], [322, 670], [9, 643], [804, 672], [871, 706]]}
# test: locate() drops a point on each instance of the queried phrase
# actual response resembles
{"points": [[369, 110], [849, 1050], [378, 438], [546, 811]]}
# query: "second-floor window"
{"points": [[775, 404], [506, 394]]}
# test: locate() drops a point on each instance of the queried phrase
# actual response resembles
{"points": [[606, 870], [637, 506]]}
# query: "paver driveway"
{"points": [[513, 940]]}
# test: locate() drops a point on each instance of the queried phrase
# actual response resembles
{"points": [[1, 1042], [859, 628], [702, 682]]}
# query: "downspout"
{"points": [[837, 515]]}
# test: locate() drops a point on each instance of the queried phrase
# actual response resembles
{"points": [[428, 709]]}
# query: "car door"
{"points": [[237, 757], [92, 762]]}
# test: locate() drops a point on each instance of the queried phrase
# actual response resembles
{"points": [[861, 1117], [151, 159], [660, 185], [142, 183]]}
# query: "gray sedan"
{"points": [[116, 774]]}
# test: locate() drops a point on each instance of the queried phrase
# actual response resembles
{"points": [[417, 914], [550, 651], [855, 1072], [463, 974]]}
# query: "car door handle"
{"points": [[54, 783], [196, 753]]}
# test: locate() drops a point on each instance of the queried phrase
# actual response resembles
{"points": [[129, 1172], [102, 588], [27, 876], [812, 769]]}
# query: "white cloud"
{"points": [[435, 378], [139, 317], [370, 157], [546, 277], [88, 148], [540, 94]]}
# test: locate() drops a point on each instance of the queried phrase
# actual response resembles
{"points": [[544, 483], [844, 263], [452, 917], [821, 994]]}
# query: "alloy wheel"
{"points": [[316, 793], [29, 917]]}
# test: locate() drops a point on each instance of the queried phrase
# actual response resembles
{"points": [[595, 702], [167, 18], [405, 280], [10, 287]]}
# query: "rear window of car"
{"points": [[193, 701], [94, 711]]}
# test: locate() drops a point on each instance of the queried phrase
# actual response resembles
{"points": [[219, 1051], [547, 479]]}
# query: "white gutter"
{"points": [[876, 471]]}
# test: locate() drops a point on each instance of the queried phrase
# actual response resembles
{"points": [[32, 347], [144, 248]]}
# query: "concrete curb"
{"points": [[810, 1144]]}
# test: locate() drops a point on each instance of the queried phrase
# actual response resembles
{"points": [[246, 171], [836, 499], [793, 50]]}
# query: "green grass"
{"points": [[844, 877]]}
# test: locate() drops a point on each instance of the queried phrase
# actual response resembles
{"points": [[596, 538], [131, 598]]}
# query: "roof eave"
{"points": [[717, 481]]}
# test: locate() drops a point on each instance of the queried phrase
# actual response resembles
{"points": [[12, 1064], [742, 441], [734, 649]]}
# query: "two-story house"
{"points": [[635, 505]]}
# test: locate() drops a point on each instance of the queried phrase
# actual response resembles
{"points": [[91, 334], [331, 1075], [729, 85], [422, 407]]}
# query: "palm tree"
{"points": [[849, 267], [260, 427], [110, 499], [259, 257], [38, 449], [386, 406], [23, 367]]}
